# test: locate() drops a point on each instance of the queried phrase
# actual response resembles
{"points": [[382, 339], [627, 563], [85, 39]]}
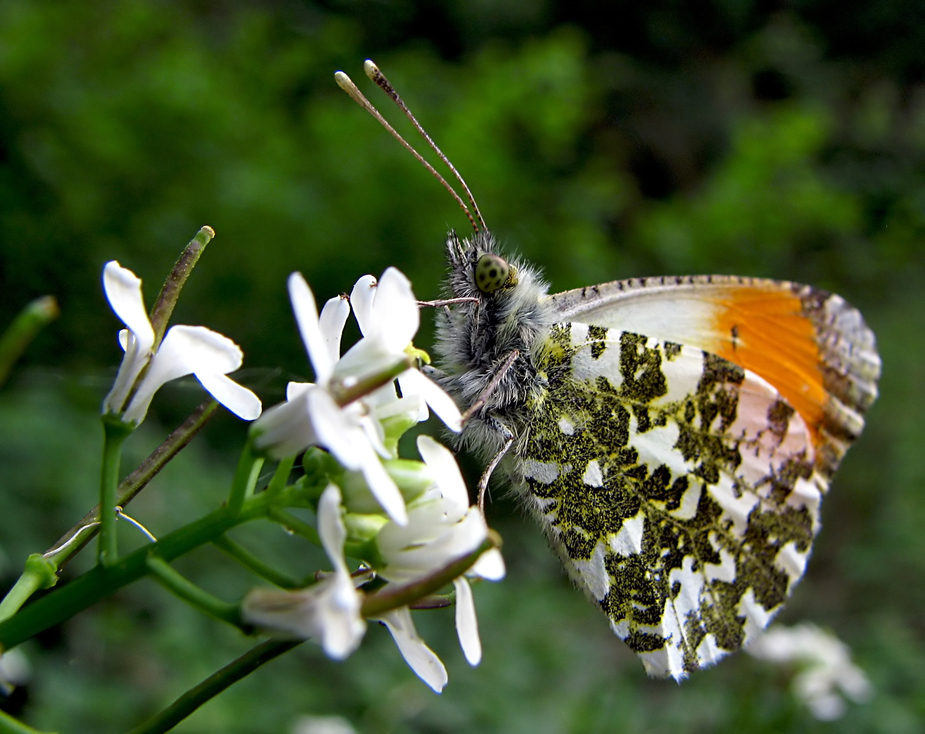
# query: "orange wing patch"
{"points": [[813, 347], [768, 333]]}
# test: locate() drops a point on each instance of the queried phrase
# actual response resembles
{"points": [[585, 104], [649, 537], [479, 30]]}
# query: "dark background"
{"points": [[779, 139]]}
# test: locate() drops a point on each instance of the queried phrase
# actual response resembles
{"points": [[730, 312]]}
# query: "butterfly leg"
{"points": [[492, 465], [482, 399]]}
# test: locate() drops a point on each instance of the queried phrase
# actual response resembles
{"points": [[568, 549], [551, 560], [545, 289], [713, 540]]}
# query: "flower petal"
{"points": [[442, 465], [306, 315], [361, 299], [331, 322], [467, 627], [123, 291], [286, 429], [490, 566], [331, 526], [436, 397], [421, 659], [396, 315], [349, 444], [238, 399], [185, 350]]}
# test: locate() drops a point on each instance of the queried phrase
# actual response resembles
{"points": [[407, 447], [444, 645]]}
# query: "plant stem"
{"points": [[278, 482], [295, 525], [215, 684], [22, 331], [194, 595], [245, 478], [38, 574], [133, 483], [102, 581], [115, 434], [9, 725], [257, 566]]}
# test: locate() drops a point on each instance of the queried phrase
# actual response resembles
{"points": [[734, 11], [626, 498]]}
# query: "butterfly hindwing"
{"points": [[678, 488]]}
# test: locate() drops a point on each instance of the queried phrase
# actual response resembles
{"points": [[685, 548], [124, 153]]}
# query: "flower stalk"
{"points": [[115, 433]]}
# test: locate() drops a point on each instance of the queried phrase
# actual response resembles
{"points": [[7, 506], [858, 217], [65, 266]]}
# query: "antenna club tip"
{"points": [[371, 70], [343, 81]]}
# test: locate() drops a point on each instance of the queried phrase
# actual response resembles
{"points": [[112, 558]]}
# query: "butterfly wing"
{"points": [[811, 345], [679, 489]]}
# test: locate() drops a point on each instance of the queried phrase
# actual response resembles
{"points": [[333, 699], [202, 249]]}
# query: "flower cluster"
{"points": [[412, 518]]}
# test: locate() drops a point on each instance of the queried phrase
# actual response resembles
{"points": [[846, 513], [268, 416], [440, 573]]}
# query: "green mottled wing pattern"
{"points": [[677, 487]]}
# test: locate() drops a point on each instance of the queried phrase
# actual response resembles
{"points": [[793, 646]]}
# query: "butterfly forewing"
{"points": [[678, 487], [810, 344]]}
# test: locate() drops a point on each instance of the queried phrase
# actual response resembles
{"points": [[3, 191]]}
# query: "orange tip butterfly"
{"points": [[673, 436]]}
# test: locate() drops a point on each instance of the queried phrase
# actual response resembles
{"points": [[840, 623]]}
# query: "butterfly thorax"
{"points": [[476, 339]]}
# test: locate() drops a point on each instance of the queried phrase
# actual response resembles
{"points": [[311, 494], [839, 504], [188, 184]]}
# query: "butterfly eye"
{"points": [[491, 273]]}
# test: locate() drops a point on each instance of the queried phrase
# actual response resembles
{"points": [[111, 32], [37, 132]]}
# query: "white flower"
{"points": [[329, 611], [441, 528], [388, 315], [353, 433], [184, 350], [825, 667], [311, 416]]}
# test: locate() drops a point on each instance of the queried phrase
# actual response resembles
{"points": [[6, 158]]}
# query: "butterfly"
{"points": [[673, 436]]}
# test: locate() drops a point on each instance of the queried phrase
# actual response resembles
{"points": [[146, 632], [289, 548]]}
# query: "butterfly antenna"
{"points": [[346, 83], [376, 75]]}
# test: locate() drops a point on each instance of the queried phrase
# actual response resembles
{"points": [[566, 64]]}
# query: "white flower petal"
{"points": [[286, 429], [184, 350], [331, 526], [396, 313], [306, 316], [467, 627], [331, 322], [490, 566], [442, 464], [295, 389], [421, 659], [383, 486], [238, 399], [361, 299], [408, 391], [123, 291], [328, 611], [415, 382]]}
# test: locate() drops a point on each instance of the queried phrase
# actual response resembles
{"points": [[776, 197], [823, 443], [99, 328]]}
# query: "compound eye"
{"points": [[491, 273]]}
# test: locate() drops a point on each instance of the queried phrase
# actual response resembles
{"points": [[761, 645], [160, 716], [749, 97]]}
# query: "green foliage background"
{"points": [[778, 139]]}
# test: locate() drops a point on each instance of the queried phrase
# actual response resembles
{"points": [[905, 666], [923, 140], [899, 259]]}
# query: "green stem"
{"points": [[115, 434], [198, 597], [9, 725], [132, 484], [245, 478], [280, 476], [22, 331], [259, 567], [215, 684], [295, 525], [102, 581], [38, 574]]}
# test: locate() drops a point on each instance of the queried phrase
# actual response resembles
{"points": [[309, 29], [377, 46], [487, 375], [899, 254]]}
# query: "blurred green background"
{"points": [[603, 141]]}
